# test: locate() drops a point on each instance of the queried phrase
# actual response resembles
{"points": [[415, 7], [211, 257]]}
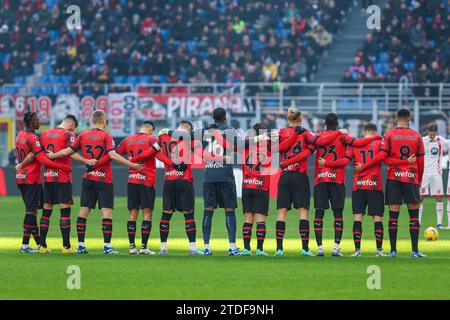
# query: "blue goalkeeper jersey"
{"points": [[217, 171]]}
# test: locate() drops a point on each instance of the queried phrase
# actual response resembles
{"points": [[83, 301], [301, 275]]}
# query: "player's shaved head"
{"points": [[219, 114], [331, 121], [403, 114], [98, 117]]}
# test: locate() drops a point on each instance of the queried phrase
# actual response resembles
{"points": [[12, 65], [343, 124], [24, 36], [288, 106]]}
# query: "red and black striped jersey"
{"points": [[401, 143], [27, 142], [55, 140], [177, 150], [369, 179], [133, 146], [94, 144]]}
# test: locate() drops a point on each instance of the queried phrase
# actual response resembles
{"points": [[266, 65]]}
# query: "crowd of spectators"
{"points": [[173, 41], [413, 44]]}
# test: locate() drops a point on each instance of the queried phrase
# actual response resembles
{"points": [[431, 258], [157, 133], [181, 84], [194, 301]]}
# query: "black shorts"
{"points": [[255, 201], [220, 194], [293, 190], [178, 195], [401, 192], [373, 200], [326, 192], [93, 191], [140, 196], [32, 196], [58, 192]]}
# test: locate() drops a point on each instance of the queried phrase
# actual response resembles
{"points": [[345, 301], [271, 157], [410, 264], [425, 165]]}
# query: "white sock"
{"points": [[320, 247], [24, 246], [107, 245], [192, 245], [439, 212], [207, 246], [81, 244], [163, 245], [232, 246], [336, 246], [420, 213]]}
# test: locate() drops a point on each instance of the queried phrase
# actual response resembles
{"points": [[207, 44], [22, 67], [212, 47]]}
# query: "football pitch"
{"points": [[179, 276]]}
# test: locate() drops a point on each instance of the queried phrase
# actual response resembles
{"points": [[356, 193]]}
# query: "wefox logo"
{"points": [[98, 174], [368, 182], [214, 165], [254, 181], [404, 174], [137, 176], [21, 176], [174, 173], [51, 174], [330, 175], [291, 167]]}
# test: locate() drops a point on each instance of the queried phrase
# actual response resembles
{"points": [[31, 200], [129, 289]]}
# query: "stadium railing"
{"points": [[274, 95]]}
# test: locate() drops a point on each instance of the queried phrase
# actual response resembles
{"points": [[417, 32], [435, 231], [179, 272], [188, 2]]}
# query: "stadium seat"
{"points": [[162, 78], [165, 34], [11, 89], [20, 80], [383, 57], [120, 79], [409, 65]]}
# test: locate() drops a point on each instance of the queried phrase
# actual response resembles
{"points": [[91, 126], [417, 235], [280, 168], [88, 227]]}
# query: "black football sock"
{"points": [[338, 225], [27, 228], [357, 234], [414, 228], [393, 228], [206, 225], [164, 226], [81, 228], [260, 234], [131, 228], [146, 228], [107, 230], [44, 225], [318, 226], [304, 233], [230, 219], [64, 226], [379, 234], [35, 230], [247, 234], [280, 227], [189, 226]]}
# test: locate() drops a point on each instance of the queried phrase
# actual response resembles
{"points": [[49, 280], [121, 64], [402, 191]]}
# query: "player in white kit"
{"points": [[432, 184]]}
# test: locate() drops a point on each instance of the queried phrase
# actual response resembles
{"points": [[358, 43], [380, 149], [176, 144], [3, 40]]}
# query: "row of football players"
{"points": [[402, 149]]}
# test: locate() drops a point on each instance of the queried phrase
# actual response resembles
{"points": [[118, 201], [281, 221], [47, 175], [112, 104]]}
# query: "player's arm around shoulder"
{"points": [[68, 151]]}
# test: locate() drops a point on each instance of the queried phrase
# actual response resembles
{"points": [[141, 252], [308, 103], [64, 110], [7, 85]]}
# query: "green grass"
{"points": [[179, 276]]}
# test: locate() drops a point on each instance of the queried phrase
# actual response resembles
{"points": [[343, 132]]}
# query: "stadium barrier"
{"points": [[247, 103]]}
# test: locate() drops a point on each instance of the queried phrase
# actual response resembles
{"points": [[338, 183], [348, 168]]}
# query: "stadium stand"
{"points": [[413, 43], [167, 41]]}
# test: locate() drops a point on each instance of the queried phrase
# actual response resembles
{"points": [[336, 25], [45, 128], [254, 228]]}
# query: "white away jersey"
{"points": [[433, 154]]}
